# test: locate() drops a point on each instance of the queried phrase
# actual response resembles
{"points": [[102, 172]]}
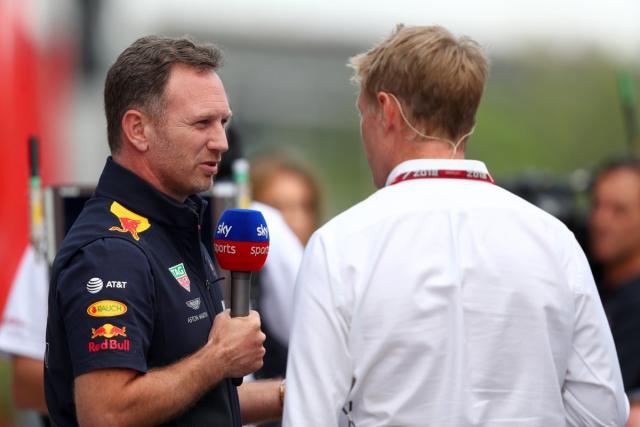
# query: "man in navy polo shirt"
{"points": [[137, 332]]}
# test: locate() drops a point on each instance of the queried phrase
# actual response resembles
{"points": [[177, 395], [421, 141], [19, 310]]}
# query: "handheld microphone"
{"points": [[241, 245]]}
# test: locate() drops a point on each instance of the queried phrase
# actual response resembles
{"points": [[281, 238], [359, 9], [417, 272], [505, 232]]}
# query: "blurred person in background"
{"points": [[291, 189], [137, 333], [443, 299], [22, 331], [614, 234], [289, 197], [272, 293]]}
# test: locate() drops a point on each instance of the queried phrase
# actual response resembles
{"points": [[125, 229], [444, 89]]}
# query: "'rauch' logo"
{"points": [[106, 308], [180, 275]]}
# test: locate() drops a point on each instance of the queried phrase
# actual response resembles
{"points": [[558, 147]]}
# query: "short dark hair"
{"points": [[623, 163], [615, 164], [138, 77]]}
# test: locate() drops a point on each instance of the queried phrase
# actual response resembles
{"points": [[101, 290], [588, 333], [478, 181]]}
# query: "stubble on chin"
{"points": [[201, 187]]}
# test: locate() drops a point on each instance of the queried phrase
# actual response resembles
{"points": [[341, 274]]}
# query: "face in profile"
{"points": [[291, 194], [614, 224]]}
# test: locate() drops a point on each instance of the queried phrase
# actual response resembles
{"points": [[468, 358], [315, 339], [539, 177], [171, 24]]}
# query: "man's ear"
{"points": [[388, 110], [134, 123]]}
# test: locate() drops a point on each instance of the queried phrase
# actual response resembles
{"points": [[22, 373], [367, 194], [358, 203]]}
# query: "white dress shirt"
{"points": [[23, 323], [449, 302]]}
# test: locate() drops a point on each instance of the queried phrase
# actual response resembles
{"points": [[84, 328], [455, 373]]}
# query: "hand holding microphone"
{"points": [[241, 246]]}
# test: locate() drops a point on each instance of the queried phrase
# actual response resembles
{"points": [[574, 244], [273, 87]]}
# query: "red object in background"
{"points": [[34, 86]]}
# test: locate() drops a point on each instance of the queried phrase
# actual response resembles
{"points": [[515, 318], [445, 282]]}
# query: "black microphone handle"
{"points": [[240, 300], [240, 293]]}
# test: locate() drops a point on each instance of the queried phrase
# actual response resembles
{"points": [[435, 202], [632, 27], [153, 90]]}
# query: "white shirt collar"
{"points": [[415, 164]]}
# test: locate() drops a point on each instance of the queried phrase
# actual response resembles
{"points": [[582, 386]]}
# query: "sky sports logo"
{"points": [[262, 231], [95, 285], [224, 229]]}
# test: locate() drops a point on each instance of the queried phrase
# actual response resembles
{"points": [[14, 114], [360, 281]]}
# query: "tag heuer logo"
{"points": [[194, 303], [180, 275]]}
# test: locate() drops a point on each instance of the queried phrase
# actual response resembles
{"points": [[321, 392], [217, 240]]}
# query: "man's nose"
{"points": [[218, 140]]}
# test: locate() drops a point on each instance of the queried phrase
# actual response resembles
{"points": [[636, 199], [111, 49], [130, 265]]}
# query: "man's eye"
{"points": [[202, 123]]}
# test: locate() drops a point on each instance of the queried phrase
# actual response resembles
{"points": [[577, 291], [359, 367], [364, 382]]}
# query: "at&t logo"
{"points": [[94, 285]]}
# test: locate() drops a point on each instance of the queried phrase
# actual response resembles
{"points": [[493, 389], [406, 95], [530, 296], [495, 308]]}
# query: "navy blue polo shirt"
{"points": [[622, 307], [132, 287]]}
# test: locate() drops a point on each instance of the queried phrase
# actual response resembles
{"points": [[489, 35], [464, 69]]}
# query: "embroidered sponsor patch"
{"points": [[106, 308], [180, 274], [192, 319], [129, 222], [109, 344], [194, 303], [94, 285], [108, 331]]}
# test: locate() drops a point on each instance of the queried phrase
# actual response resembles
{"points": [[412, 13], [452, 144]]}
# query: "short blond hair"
{"points": [[438, 78]]}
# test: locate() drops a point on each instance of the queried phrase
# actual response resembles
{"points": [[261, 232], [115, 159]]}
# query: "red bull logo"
{"points": [[130, 222], [109, 344], [108, 331]]}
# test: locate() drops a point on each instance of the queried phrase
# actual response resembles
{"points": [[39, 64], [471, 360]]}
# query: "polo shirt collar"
{"points": [[442, 164], [136, 194]]}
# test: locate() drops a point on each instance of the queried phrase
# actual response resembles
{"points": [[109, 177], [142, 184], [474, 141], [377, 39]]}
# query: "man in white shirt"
{"points": [[442, 299]]}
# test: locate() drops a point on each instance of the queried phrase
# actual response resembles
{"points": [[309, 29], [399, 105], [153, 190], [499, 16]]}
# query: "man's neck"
{"points": [[431, 150], [142, 170], [618, 273], [426, 153]]}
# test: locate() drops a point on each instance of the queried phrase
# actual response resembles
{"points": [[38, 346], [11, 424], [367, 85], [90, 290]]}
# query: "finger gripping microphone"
{"points": [[241, 245]]}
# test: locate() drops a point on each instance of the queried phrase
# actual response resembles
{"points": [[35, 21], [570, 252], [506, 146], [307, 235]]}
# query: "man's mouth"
{"points": [[210, 167]]}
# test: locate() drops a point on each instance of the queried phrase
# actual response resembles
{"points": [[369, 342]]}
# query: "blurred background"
{"points": [[561, 96]]}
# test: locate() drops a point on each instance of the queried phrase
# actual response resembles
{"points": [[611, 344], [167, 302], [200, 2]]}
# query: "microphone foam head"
{"points": [[241, 240]]}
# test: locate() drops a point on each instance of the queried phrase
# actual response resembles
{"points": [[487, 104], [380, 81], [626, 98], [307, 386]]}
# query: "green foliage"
{"points": [[549, 114], [6, 408]]}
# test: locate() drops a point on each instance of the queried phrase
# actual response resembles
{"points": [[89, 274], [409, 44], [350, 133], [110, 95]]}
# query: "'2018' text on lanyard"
{"points": [[443, 173]]}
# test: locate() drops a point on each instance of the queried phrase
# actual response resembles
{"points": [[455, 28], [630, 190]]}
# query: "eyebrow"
{"points": [[208, 115]]}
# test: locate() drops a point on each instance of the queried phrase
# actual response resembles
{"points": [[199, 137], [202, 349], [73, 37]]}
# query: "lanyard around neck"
{"points": [[443, 174]]}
